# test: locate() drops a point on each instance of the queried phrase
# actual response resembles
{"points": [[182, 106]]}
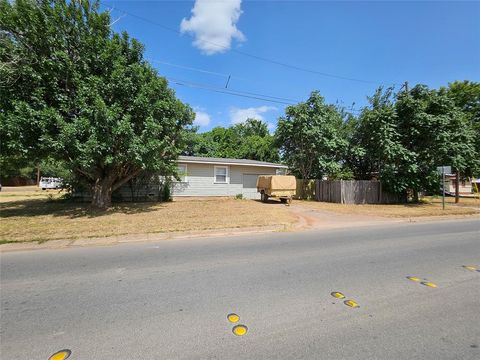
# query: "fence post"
{"points": [[342, 200], [380, 191]]}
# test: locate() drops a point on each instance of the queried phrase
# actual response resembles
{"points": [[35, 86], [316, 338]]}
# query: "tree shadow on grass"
{"points": [[68, 208]]}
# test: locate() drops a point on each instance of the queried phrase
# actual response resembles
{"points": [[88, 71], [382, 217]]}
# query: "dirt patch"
{"points": [[309, 217]]}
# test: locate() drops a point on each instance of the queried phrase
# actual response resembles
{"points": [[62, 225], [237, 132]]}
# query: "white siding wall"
{"points": [[201, 181]]}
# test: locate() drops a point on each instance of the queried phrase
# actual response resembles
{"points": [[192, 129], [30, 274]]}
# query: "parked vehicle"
{"points": [[282, 187], [50, 183]]}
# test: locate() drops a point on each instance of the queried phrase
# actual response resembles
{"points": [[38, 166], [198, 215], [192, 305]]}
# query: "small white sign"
{"points": [[444, 169]]}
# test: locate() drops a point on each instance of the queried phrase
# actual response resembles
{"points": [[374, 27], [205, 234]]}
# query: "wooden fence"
{"points": [[353, 192]]}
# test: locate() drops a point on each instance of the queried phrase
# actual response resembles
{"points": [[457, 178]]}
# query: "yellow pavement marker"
{"points": [[413, 278], [351, 303], [338, 295], [61, 355], [240, 330], [429, 284], [233, 318], [469, 267]]}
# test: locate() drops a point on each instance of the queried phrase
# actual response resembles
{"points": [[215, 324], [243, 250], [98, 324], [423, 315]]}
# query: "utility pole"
{"points": [[443, 187], [406, 86], [457, 187]]}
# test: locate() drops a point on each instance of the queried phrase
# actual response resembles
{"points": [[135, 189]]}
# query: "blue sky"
{"points": [[386, 42]]}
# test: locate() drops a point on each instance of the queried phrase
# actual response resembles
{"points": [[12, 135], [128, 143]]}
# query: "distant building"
{"points": [[466, 186]]}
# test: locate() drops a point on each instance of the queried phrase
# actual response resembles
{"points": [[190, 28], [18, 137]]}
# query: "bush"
{"points": [[239, 197], [166, 192]]}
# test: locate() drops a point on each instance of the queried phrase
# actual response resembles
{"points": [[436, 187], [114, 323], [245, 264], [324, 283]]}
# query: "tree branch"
{"points": [[126, 179]]}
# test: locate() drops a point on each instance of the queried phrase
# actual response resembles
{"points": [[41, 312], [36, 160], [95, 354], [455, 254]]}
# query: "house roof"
{"points": [[225, 161]]}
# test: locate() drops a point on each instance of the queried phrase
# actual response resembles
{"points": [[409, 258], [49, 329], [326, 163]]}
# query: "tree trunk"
{"points": [[304, 189], [415, 196], [457, 187], [102, 193]]}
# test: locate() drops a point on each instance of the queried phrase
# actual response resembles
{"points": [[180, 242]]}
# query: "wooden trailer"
{"points": [[282, 187]]}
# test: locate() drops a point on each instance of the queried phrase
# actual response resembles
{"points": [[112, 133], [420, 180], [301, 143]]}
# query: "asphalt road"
{"points": [[170, 300]]}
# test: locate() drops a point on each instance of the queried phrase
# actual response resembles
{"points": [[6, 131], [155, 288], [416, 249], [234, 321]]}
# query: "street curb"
{"points": [[138, 238]]}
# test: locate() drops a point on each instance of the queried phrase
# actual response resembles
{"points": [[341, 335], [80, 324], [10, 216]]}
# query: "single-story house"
{"points": [[204, 176], [199, 176], [466, 186]]}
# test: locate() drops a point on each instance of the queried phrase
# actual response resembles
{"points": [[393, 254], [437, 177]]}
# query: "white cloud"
{"points": [[240, 115], [214, 23], [201, 118]]}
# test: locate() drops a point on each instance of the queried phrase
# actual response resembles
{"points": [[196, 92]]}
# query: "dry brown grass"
{"points": [[41, 216], [426, 209], [437, 200]]}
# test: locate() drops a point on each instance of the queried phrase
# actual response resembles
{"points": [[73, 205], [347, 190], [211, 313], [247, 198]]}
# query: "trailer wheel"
{"points": [[264, 197]]}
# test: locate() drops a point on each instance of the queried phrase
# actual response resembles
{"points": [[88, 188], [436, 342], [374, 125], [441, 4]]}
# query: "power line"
{"points": [[290, 101], [188, 68], [293, 67], [228, 79], [249, 95]]}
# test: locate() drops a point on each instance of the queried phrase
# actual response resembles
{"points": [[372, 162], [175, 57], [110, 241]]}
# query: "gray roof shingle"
{"points": [[213, 160]]}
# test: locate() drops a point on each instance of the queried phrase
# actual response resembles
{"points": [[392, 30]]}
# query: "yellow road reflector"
{"points": [[413, 278], [233, 318], [351, 303], [61, 355], [429, 284], [471, 268], [240, 330], [338, 295]]}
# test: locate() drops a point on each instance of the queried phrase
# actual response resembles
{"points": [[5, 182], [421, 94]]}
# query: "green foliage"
{"points": [[239, 197], [166, 194], [376, 149], [12, 166], [249, 140], [74, 91], [311, 138], [466, 96], [402, 142], [55, 168], [436, 132]]}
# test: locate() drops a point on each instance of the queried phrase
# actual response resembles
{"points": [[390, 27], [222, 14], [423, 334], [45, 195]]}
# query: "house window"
{"points": [[221, 175], [182, 172]]}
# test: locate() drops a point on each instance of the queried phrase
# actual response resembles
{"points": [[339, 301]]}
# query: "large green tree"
{"points": [[310, 138], [73, 90], [466, 96], [376, 149], [436, 132], [248, 140]]}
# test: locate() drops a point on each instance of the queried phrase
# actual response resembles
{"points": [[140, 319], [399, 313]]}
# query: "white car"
{"points": [[50, 183]]}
